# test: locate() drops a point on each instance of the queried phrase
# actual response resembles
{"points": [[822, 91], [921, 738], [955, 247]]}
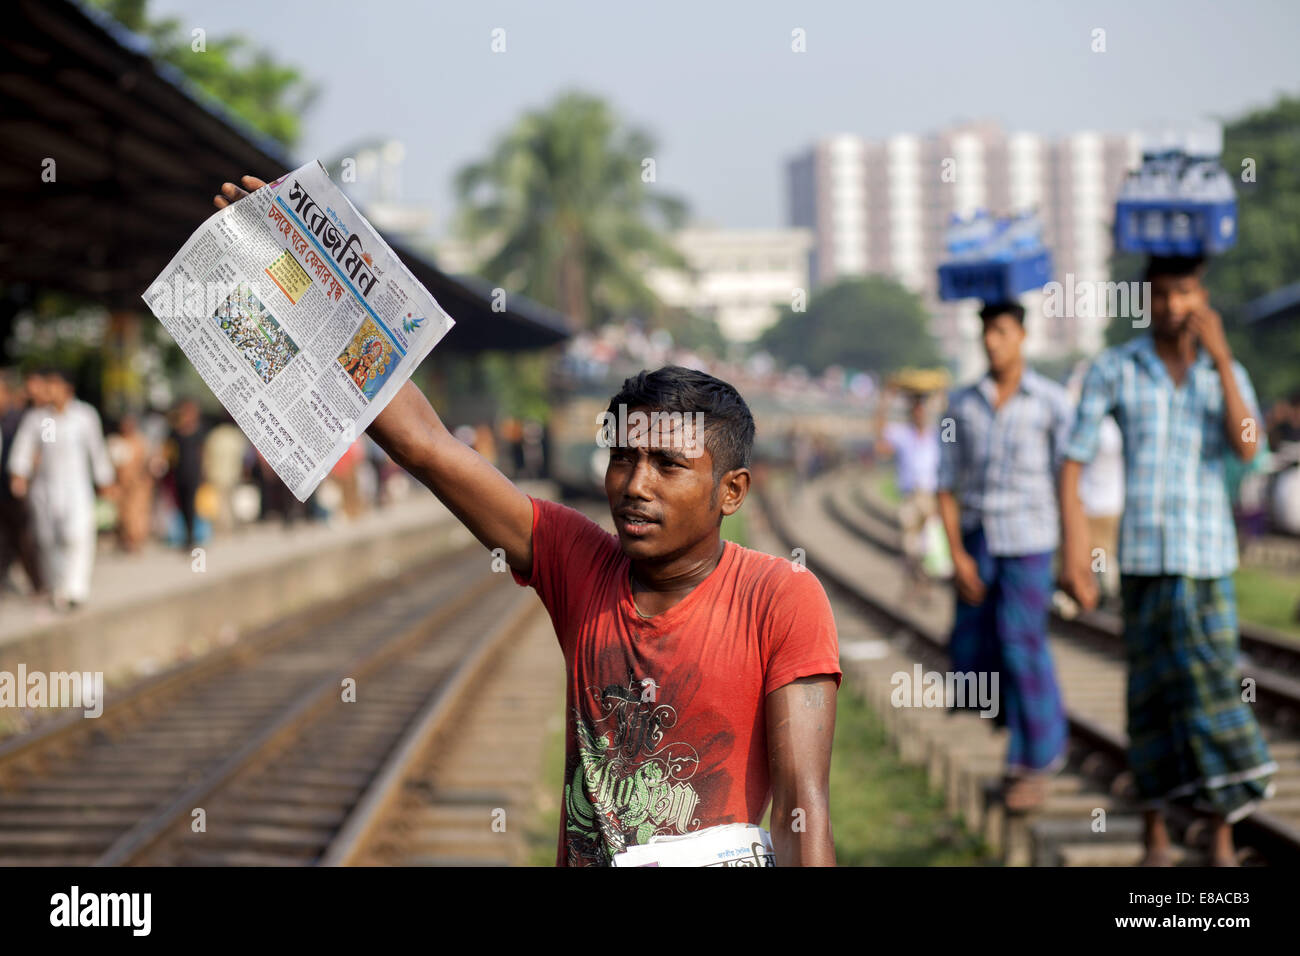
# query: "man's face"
{"points": [[1173, 299], [1002, 338], [659, 478], [57, 390], [918, 414], [37, 393]]}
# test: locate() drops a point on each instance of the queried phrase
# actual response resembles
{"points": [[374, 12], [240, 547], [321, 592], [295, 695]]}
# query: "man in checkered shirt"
{"points": [[1001, 445], [1184, 405]]}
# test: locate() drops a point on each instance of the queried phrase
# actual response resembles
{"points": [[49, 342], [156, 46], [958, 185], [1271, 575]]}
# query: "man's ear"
{"points": [[734, 485]]}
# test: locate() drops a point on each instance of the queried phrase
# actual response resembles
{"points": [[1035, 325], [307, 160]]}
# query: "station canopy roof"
{"points": [[137, 155], [1278, 305]]}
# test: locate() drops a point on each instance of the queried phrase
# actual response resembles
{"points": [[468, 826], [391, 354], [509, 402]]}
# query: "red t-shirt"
{"points": [[665, 723]]}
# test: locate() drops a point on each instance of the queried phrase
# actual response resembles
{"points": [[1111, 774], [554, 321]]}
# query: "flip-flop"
{"points": [[1025, 793], [1157, 858]]}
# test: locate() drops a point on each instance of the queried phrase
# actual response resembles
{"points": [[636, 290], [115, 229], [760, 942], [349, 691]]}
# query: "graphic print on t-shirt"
{"points": [[632, 780]]}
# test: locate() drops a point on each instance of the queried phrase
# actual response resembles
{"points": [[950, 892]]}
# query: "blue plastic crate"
{"points": [[1175, 228], [994, 280]]}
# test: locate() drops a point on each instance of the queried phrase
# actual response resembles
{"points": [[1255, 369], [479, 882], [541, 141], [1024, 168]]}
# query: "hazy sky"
{"points": [[716, 81]]}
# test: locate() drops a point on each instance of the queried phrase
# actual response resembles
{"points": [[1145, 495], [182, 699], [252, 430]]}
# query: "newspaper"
{"points": [[728, 844], [302, 321]]}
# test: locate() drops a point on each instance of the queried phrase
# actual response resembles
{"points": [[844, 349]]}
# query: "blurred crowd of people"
{"points": [[167, 477], [172, 479]]}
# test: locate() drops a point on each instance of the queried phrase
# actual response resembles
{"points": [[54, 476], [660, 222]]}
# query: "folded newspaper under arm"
{"points": [[730, 844], [300, 318]]}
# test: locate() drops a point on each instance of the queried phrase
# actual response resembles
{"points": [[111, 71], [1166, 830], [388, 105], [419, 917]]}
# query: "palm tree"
{"points": [[569, 218]]}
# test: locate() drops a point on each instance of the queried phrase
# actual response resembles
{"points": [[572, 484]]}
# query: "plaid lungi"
{"points": [[1192, 739], [1007, 635]]}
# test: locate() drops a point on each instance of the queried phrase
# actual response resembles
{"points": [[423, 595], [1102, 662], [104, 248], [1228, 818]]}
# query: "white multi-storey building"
{"points": [[882, 206]]}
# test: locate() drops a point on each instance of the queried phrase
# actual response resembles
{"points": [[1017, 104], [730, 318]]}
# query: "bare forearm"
{"points": [[801, 830], [950, 514], [1074, 523], [1236, 414], [800, 728], [497, 513]]}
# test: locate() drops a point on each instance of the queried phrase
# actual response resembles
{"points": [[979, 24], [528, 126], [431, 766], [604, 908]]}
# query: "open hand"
{"points": [[1080, 583], [966, 576]]}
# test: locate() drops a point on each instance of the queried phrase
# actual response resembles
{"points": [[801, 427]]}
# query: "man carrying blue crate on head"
{"points": [[1184, 406], [1001, 441]]}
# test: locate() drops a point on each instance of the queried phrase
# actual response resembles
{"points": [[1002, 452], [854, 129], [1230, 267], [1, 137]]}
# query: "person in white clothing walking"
{"points": [[58, 452]]}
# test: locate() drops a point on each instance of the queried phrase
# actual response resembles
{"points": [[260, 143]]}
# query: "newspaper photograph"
{"points": [[300, 318]]}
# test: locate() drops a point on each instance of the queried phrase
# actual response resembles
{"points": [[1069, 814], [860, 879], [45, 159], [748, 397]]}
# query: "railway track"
{"points": [[875, 522], [852, 545], [278, 751]]}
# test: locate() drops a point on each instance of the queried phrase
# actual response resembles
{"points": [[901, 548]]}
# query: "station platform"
{"points": [[161, 605]]}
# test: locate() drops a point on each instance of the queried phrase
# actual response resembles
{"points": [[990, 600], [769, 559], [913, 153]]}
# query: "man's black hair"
{"points": [[1179, 267], [992, 310], [728, 424]]}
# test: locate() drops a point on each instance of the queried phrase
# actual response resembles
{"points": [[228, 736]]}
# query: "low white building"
{"points": [[741, 278]]}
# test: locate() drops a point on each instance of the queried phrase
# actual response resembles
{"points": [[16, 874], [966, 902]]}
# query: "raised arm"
{"points": [[883, 447], [497, 513], [1241, 424], [483, 499]]}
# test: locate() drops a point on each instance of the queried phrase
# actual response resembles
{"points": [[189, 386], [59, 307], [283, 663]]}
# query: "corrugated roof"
{"points": [[138, 152]]}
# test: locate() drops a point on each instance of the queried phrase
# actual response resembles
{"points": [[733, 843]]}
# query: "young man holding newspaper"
{"points": [[702, 676]]}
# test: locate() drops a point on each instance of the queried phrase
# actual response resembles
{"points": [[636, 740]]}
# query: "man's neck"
{"points": [[1179, 346], [660, 585], [1007, 379]]}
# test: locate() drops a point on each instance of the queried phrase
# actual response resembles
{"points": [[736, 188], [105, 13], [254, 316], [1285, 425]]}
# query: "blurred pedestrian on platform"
{"points": [[1101, 489], [914, 447], [223, 468], [997, 497], [1184, 405], [58, 461], [185, 455], [1284, 421], [133, 460], [17, 535]]}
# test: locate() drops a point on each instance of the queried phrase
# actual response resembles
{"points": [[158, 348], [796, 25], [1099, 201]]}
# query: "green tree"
{"points": [[565, 203], [1267, 254], [245, 79], [872, 323]]}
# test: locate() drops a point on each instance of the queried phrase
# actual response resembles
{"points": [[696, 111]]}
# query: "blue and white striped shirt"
{"points": [[1177, 518], [1002, 464]]}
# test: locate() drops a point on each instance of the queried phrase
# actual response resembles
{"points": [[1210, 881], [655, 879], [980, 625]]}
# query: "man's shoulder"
{"points": [[964, 393], [774, 580], [1045, 387], [559, 515]]}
